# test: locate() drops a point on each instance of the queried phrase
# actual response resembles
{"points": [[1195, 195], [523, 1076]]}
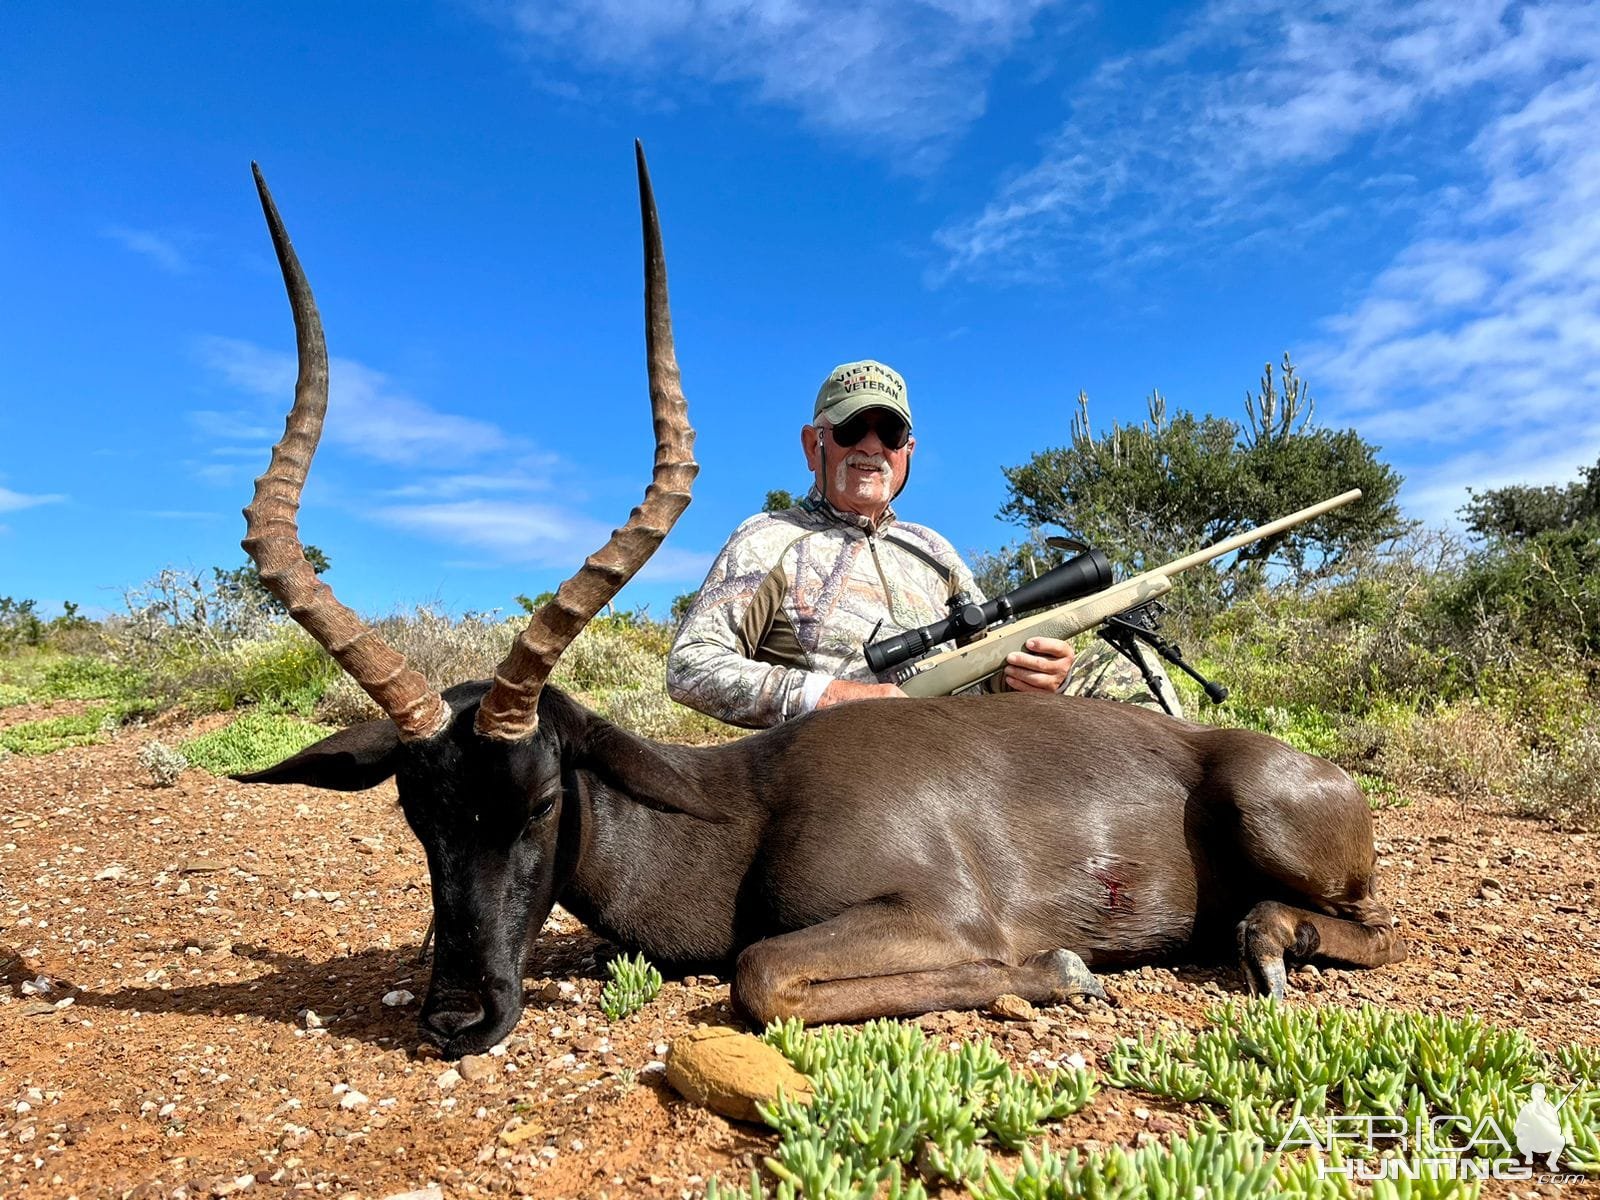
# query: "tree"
{"points": [[242, 585], [1539, 567], [777, 501], [681, 605], [1177, 482], [1519, 512]]}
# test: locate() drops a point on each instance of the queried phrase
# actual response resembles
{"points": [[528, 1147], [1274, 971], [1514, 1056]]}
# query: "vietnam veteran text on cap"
{"points": [[856, 386]]}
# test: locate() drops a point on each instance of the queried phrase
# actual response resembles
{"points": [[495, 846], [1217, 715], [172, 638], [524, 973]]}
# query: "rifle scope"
{"points": [[1084, 575]]}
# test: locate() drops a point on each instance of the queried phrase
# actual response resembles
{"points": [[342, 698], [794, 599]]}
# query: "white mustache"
{"points": [[876, 461]]}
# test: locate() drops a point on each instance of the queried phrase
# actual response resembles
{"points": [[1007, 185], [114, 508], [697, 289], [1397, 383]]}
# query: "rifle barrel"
{"points": [[1250, 535]]}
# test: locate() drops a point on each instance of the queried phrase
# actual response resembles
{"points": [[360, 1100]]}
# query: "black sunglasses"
{"points": [[893, 432]]}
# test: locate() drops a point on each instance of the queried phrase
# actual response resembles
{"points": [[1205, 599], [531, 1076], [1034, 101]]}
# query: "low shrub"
{"points": [[446, 651], [253, 742], [634, 983], [24, 668], [284, 672], [651, 713], [57, 733], [604, 658], [1467, 750], [1380, 793], [163, 762], [80, 678], [1562, 784]]}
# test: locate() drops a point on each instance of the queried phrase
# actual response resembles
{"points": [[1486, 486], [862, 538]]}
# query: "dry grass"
{"points": [[1562, 785]]}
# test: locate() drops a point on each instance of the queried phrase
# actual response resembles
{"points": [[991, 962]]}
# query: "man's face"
{"points": [[860, 478]]}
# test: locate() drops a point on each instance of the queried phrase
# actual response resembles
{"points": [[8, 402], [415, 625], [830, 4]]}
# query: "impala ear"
{"points": [[644, 772], [351, 760]]}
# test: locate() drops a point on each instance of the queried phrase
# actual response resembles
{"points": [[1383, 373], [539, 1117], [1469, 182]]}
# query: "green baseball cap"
{"points": [[857, 386]]}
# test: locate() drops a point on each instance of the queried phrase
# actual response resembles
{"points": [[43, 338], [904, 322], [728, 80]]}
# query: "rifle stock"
{"points": [[941, 674]]}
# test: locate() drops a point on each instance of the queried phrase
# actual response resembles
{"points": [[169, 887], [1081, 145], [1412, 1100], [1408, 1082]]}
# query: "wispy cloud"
{"points": [[159, 249], [1465, 131], [11, 501], [1481, 340], [1244, 119], [532, 534], [905, 74], [368, 415], [448, 487]]}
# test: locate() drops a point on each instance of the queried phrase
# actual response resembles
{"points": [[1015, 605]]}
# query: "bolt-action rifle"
{"points": [[1079, 594]]}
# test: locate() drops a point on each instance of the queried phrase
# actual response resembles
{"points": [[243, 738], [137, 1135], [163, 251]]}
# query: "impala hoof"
{"points": [[1071, 977]]}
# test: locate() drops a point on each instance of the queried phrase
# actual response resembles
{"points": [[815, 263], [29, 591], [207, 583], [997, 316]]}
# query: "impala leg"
{"points": [[1362, 935], [882, 961]]}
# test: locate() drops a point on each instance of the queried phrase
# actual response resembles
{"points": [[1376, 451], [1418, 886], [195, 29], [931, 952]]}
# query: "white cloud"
{"points": [[1479, 345], [1244, 117], [905, 74], [1464, 130], [153, 246], [11, 501], [448, 487], [533, 534], [367, 414], [369, 417]]}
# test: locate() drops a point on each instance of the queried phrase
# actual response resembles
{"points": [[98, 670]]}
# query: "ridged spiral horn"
{"points": [[510, 710], [272, 536]]}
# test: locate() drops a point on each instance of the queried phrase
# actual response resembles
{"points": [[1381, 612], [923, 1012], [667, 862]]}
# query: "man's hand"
{"points": [[842, 691], [1042, 666]]}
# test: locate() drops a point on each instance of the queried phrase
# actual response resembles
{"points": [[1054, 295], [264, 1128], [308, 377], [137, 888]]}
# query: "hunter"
{"points": [[778, 626]]}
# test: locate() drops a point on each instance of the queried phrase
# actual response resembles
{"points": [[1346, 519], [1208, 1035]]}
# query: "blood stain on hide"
{"points": [[1113, 885]]}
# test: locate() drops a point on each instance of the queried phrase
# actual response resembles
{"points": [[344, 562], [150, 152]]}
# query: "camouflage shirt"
{"points": [[794, 595], [791, 600]]}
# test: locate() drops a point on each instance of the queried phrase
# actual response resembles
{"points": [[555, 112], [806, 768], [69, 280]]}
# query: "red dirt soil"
{"points": [[218, 957]]}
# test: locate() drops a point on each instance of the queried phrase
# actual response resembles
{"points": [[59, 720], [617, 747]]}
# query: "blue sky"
{"points": [[1008, 201]]}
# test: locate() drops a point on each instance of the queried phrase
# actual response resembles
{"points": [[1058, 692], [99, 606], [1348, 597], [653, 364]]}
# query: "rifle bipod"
{"points": [[1142, 624]]}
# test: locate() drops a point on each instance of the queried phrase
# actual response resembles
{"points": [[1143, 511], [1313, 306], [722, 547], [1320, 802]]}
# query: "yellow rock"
{"points": [[1013, 1008], [730, 1072]]}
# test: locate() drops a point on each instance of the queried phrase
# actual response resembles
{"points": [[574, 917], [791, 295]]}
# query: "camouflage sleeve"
{"points": [[710, 666]]}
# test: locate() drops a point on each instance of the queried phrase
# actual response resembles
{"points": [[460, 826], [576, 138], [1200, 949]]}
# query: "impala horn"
{"points": [[510, 710], [272, 537]]}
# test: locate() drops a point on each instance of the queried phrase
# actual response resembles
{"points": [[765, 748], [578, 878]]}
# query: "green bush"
{"points": [[19, 623], [1546, 588], [253, 742]]}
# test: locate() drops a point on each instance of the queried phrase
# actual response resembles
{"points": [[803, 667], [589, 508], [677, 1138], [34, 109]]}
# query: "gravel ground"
{"points": [[210, 989]]}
